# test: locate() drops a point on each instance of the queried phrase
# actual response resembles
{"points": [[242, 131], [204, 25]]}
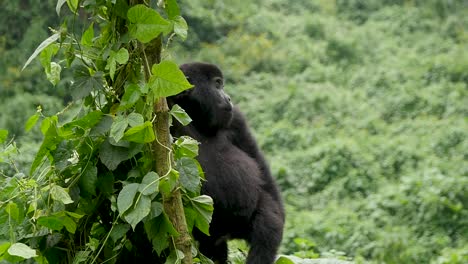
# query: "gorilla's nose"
{"points": [[227, 106]]}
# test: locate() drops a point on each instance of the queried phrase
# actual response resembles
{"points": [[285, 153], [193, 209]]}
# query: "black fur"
{"points": [[247, 203]]}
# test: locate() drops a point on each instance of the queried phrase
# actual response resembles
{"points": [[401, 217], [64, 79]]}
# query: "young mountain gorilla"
{"points": [[247, 204]]}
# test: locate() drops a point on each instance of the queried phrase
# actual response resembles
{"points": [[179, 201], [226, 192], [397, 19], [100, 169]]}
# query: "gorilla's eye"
{"points": [[218, 82]]}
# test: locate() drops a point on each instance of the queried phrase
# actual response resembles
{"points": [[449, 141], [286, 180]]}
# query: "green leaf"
{"points": [[41, 47], [159, 229], [156, 209], [167, 80], [3, 135], [180, 27], [203, 205], [88, 181], [189, 174], [90, 120], [150, 183], [135, 119], [59, 6], [49, 122], [136, 213], [167, 184], [131, 96], [178, 113], [118, 128], [172, 9], [122, 56], [284, 260], [73, 5], [59, 193], [119, 231], [146, 24], [186, 147], [88, 35], [85, 82], [54, 75], [69, 224], [126, 197], [50, 142], [175, 257], [81, 256], [74, 215], [51, 222], [46, 56], [22, 250], [31, 122], [4, 247], [111, 156], [12, 210], [140, 134]]}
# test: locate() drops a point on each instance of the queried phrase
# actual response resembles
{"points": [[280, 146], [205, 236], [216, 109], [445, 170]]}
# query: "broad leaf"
{"points": [[59, 6], [172, 9], [90, 120], [112, 156], [156, 209], [139, 211], [167, 80], [135, 119], [146, 23], [121, 56], [284, 260], [50, 142], [73, 5], [54, 74], [178, 113], [159, 229], [31, 122], [189, 174], [46, 56], [88, 181], [186, 147], [126, 197], [12, 210], [4, 246], [88, 35], [85, 82], [131, 96], [140, 134], [59, 193], [119, 231], [69, 224], [22, 250], [167, 184], [150, 183], [203, 205], [57, 222], [51, 222], [3, 135], [180, 27], [41, 47], [118, 128]]}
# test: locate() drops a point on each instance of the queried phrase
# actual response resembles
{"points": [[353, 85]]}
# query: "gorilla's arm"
{"points": [[242, 137]]}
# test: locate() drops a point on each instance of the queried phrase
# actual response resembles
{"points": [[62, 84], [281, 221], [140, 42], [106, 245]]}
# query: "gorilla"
{"points": [[247, 203]]}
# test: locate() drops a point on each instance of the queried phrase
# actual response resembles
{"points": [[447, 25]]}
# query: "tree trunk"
{"points": [[172, 203]]}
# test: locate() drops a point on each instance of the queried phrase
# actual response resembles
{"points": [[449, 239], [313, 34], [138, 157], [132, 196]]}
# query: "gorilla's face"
{"points": [[206, 103]]}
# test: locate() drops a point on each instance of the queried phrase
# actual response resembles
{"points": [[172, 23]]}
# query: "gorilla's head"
{"points": [[206, 103]]}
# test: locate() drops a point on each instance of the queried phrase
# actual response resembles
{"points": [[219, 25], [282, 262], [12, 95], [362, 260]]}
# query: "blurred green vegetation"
{"points": [[361, 107]]}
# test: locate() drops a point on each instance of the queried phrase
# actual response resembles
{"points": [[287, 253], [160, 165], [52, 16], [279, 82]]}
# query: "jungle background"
{"points": [[361, 108]]}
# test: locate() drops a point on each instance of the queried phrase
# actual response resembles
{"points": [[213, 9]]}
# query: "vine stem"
{"points": [[162, 154]]}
